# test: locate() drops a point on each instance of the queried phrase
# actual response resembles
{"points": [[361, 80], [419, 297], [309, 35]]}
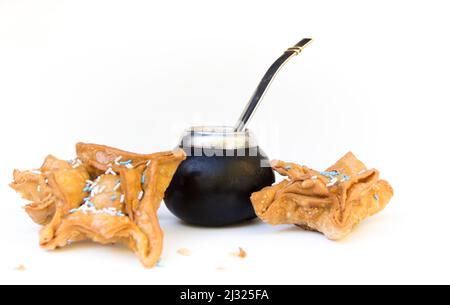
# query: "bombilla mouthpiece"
{"points": [[299, 47], [266, 81]]}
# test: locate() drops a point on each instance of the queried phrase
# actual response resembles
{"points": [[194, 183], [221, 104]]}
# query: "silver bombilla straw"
{"points": [[266, 81]]}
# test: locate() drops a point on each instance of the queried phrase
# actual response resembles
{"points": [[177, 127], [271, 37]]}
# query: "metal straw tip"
{"points": [[298, 48], [304, 42]]}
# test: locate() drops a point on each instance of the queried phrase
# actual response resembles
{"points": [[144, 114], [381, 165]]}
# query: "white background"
{"points": [[134, 74]]}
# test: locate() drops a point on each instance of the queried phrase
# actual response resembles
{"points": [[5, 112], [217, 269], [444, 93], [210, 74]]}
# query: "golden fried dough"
{"points": [[331, 202], [55, 181], [106, 195]]}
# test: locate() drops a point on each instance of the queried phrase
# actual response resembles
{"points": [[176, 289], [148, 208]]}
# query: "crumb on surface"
{"points": [[21, 267], [184, 251], [221, 268], [241, 253]]}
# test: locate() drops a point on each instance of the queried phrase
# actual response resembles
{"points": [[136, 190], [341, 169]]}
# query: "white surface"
{"points": [[134, 74]]}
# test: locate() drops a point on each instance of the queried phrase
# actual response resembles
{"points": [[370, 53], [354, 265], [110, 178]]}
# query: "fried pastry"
{"points": [[332, 202], [106, 195], [42, 187]]}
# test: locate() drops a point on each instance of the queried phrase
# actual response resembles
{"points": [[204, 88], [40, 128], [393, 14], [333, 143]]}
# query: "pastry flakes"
{"points": [[331, 202], [105, 195]]}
